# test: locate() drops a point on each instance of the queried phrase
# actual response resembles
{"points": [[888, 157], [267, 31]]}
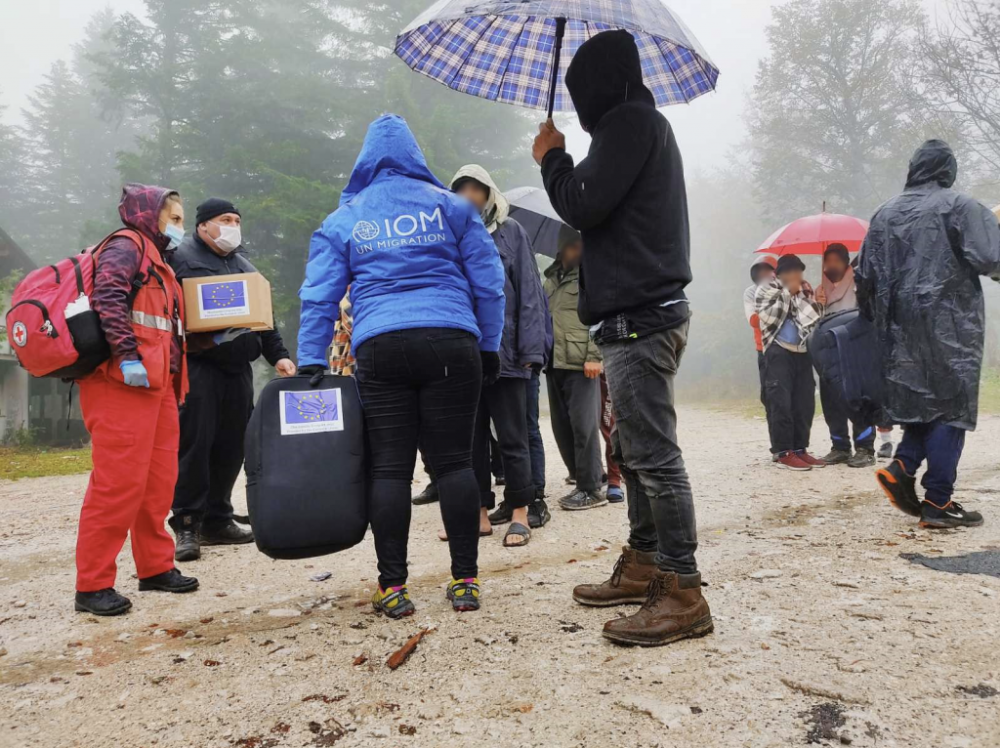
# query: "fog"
{"points": [[266, 103]]}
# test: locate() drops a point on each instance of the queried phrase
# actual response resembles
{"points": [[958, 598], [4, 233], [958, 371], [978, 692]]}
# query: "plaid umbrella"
{"points": [[517, 51]]}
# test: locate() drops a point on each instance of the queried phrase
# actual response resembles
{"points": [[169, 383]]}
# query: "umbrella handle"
{"points": [[560, 32]]}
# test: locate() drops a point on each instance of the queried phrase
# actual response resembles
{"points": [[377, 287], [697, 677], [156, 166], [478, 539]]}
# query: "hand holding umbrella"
{"points": [[548, 138]]}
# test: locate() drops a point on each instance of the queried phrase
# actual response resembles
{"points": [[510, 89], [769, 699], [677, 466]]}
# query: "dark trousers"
{"points": [[607, 425], [213, 422], [421, 386], [791, 398], [837, 419], [536, 447], [575, 405], [641, 376], [763, 380], [505, 404], [941, 446]]}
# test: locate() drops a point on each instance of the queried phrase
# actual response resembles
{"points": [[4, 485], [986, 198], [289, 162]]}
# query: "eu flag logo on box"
{"points": [[311, 411], [223, 299]]}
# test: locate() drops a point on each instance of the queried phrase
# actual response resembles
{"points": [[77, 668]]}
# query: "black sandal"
{"points": [[516, 528]]}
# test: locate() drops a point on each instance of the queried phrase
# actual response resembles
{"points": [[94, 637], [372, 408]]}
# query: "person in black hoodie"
{"points": [[628, 199], [215, 416]]}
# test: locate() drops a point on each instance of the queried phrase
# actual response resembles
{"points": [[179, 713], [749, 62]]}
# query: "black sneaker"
{"points": [[862, 458], [885, 451], [953, 515], [231, 534], [580, 500], [187, 547], [503, 514], [538, 514], [428, 496], [104, 602], [837, 456], [168, 581], [899, 487]]}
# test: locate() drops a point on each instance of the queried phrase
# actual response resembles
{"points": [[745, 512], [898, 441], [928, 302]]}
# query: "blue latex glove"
{"points": [[134, 373]]}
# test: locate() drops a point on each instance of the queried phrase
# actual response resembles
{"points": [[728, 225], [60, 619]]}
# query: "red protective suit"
{"points": [[135, 430]]}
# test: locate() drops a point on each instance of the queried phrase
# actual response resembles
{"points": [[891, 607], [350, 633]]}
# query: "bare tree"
{"points": [[961, 72]]}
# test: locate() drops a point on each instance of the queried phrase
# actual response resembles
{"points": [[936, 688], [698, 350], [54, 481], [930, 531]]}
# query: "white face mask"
{"points": [[230, 237]]}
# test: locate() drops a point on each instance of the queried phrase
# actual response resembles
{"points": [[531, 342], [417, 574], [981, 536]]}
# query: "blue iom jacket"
{"points": [[414, 254]]}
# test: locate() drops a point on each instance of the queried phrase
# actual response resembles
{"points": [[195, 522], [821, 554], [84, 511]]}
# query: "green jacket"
{"points": [[572, 346]]}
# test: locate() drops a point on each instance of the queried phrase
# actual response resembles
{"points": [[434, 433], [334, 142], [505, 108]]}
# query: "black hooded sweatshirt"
{"points": [[627, 198]]}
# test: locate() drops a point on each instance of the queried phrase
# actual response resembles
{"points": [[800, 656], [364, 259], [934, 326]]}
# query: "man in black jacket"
{"points": [[628, 199], [214, 417]]}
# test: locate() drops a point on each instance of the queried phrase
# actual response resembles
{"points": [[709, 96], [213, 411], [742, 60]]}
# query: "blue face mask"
{"points": [[175, 235]]}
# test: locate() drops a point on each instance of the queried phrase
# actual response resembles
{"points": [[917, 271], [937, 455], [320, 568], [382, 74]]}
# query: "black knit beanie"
{"points": [[212, 208]]}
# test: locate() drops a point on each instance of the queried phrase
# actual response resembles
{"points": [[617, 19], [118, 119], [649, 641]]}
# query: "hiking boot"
{"points": [[580, 500], [231, 534], [947, 517], [628, 583], [463, 594], [538, 514], [394, 602], [187, 547], [674, 610], [791, 461], [837, 456], [615, 495], [503, 514], [899, 487], [885, 451], [168, 581], [810, 460], [104, 602], [862, 458], [428, 496]]}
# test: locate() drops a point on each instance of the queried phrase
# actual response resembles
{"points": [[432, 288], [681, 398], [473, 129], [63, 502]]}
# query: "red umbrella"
{"points": [[813, 234]]}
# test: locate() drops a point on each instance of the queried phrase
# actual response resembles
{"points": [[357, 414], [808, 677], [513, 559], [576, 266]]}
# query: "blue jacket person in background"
{"points": [[427, 289]]}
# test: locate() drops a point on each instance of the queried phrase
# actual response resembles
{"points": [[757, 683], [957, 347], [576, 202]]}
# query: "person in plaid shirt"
{"points": [[341, 360]]}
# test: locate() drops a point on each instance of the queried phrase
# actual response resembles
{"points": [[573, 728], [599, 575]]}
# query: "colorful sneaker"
{"points": [[837, 456], [885, 451], [810, 460], [615, 495], [464, 594], [394, 602], [947, 517], [791, 461], [899, 487]]}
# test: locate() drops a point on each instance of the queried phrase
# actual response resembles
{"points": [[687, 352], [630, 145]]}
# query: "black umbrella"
{"points": [[531, 208]]}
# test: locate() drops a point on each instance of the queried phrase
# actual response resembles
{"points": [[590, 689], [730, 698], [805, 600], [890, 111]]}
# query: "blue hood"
{"points": [[389, 148]]}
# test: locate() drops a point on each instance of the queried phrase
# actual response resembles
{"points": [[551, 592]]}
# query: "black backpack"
{"points": [[306, 468], [845, 352]]}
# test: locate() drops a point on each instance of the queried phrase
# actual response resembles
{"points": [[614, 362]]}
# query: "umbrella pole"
{"points": [[560, 32]]}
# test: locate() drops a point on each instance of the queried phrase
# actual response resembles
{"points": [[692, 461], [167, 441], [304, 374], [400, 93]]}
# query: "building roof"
{"points": [[12, 257]]}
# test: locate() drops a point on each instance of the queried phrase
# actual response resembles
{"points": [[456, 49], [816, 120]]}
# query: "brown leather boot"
{"points": [[628, 583], [673, 610]]}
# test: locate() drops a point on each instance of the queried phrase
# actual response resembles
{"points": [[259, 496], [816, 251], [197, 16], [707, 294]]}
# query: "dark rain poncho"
{"points": [[918, 280]]}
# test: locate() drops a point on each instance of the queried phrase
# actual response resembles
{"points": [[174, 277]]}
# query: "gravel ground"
{"points": [[824, 635]]}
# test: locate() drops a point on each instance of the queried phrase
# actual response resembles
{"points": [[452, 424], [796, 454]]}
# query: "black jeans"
{"points": [[505, 404], [536, 447], [213, 423], [575, 404], [791, 398], [760, 374], [421, 386], [640, 376], [837, 419]]}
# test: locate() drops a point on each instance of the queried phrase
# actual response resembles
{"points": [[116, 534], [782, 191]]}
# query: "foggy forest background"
{"points": [[266, 102]]}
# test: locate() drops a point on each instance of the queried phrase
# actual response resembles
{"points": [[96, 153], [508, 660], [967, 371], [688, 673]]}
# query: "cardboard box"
{"points": [[218, 302]]}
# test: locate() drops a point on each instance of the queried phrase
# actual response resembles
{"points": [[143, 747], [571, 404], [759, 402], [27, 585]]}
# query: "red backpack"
{"points": [[51, 327]]}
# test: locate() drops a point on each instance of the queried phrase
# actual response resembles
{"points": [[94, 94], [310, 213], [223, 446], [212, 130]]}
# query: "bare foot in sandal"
{"points": [[485, 528], [518, 533]]}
